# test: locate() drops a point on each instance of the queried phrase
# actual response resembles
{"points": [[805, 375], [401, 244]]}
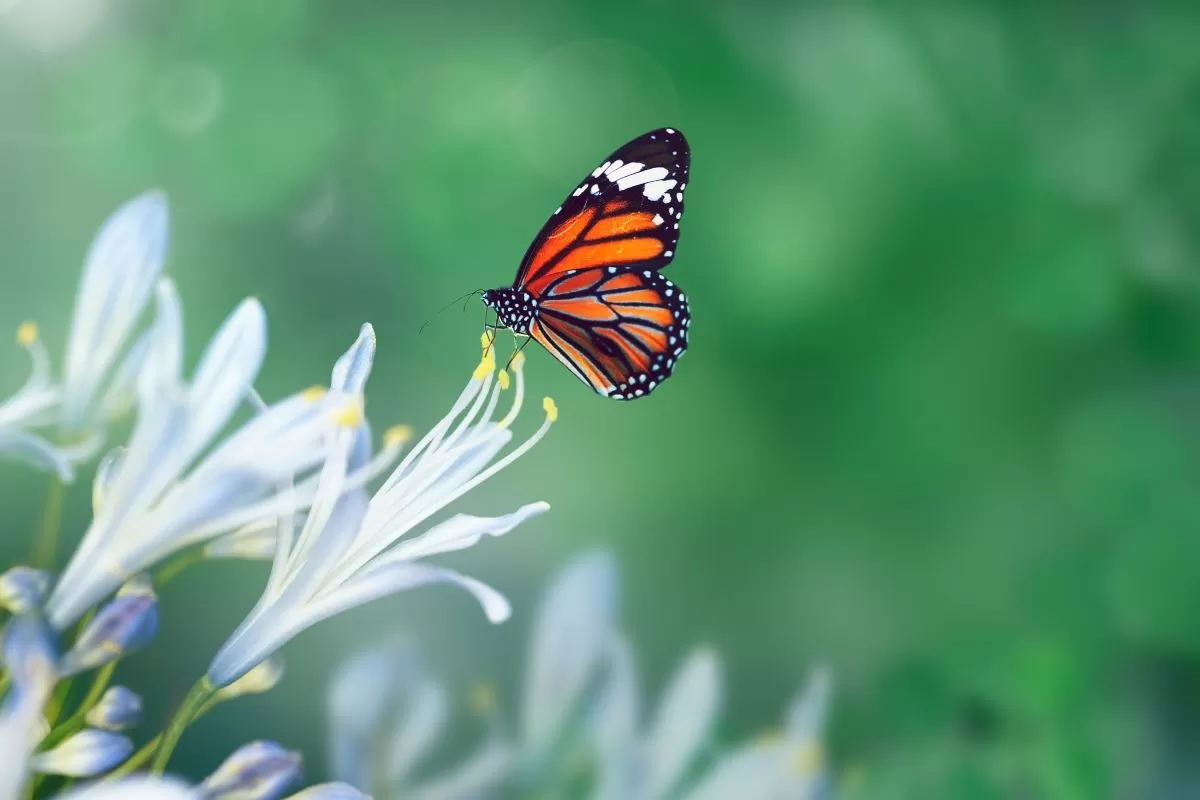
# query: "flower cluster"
{"points": [[581, 730], [300, 483]]}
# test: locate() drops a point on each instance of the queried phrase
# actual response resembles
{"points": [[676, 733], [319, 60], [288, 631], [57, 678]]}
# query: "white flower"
{"points": [[29, 659], [159, 496], [650, 765], [134, 788], [572, 635], [784, 767], [350, 549], [387, 714], [123, 263]]}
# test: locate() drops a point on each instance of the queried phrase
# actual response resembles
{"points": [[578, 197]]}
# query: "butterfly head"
{"points": [[514, 309]]}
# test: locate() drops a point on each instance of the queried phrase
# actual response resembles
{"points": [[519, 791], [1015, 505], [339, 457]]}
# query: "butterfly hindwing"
{"points": [[626, 212], [619, 330]]}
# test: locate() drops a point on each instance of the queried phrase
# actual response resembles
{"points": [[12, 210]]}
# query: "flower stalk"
{"points": [[196, 699]]}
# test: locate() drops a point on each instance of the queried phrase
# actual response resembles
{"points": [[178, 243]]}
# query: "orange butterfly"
{"points": [[589, 289]]}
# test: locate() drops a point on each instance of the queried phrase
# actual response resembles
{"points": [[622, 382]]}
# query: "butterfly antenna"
{"points": [[464, 298]]}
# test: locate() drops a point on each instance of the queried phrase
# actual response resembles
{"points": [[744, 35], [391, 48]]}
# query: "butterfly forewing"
{"points": [[625, 212]]}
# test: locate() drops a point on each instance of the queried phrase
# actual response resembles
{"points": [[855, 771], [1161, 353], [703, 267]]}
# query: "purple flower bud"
{"points": [[123, 625], [257, 771], [118, 709]]}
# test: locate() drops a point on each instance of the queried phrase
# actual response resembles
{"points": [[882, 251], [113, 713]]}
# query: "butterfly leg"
{"points": [[517, 350]]}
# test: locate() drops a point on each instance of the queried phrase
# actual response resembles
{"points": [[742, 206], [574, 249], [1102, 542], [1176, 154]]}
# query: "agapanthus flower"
{"points": [[387, 715], [256, 771], [30, 659], [785, 766], [573, 633], [352, 548], [85, 754], [123, 263], [650, 765], [159, 495]]}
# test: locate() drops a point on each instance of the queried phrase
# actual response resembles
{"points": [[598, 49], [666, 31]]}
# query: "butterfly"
{"points": [[589, 288]]}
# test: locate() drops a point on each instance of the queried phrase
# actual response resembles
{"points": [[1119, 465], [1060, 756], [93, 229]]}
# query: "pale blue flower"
{"points": [[256, 771], [125, 624], [122, 266], [29, 657], [171, 487], [351, 549], [86, 754], [23, 589], [572, 636], [34, 405], [119, 708], [785, 767], [386, 717], [649, 765]]}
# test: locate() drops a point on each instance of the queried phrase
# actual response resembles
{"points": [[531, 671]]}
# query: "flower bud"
{"points": [[87, 753], [125, 624], [257, 771], [117, 710], [23, 589]]}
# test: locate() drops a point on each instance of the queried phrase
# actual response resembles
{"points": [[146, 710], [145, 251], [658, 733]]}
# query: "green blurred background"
{"points": [[938, 424]]}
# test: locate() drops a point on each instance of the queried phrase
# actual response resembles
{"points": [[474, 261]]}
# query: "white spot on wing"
{"points": [[615, 173], [655, 190], [645, 176], [600, 170], [658, 220]]}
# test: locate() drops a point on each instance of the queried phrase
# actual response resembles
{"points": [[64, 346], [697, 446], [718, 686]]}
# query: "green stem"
{"points": [[143, 755], [45, 547], [196, 699]]}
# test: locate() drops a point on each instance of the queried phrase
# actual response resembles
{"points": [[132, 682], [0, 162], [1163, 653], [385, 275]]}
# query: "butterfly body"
{"points": [[589, 288]]}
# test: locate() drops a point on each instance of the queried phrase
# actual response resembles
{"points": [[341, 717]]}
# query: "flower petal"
{"points": [[23, 589], [122, 265], [684, 722], [87, 753], [362, 694], [806, 715], [119, 708], [571, 637], [478, 776], [351, 371], [423, 720], [459, 533], [262, 635], [615, 721], [19, 445], [256, 771], [227, 369], [133, 788]]}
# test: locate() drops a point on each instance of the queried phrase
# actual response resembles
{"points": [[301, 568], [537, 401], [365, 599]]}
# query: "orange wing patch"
{"points": [[587, 307], [622, 224], [622, 251], [562, 237]]}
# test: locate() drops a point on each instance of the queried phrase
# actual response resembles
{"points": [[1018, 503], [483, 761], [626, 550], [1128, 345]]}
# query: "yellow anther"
{"points": [[806, 759], [550, 409], [397, 435], [518, 360], [487, 365], [314, 393], [350, 416], [27, 333], [482, 700], [502, 379], [485, 341]]}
